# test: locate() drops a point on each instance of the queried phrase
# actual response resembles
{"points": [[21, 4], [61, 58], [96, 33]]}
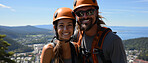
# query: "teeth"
{"points": [[85, 21], [65, 33]]}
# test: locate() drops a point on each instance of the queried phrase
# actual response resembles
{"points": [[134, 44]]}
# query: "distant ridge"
{"points": [[18, 31], [50, 26]]}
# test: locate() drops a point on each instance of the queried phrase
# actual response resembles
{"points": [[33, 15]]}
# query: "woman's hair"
{"points": [[58, 53]]}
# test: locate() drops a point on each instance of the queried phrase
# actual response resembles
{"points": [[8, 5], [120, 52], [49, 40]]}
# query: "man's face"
{"points": [[86, 17]]}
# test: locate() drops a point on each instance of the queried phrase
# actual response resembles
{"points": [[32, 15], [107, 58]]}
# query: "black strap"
{"points": [[73, 52], [75, 38]]}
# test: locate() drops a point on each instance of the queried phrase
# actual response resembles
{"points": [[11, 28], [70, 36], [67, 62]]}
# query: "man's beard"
{"points": [[86, 26]]}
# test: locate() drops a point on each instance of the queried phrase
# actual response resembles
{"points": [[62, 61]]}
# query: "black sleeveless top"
{"points": [[74, 58]]}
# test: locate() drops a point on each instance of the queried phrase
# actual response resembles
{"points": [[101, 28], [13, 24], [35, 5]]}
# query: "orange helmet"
{"points": [[83, 3], [63, 13]]}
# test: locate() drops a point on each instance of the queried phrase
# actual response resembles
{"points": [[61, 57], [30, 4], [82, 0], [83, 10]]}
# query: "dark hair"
{"points": [[100, 20], [58, 53]]}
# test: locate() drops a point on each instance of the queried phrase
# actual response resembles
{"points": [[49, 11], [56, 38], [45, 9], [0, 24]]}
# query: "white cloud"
{"points": [[4, 6]]}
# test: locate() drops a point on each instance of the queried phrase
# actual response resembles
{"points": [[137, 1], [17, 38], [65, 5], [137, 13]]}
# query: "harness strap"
{"points": [[94, 56], [98, 47], [73, 52], [76, 47], [103, 35], [96, 44], [80, 38]]}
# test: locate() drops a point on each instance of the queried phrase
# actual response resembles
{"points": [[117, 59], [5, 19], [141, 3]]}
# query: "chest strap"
{"points": [[96, 45]]}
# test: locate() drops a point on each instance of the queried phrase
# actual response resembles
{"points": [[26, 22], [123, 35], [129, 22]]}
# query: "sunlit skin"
{"points": [[64, 30], [86, 21]]}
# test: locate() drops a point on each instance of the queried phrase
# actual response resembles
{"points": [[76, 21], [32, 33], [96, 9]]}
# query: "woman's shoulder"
{"points": [[47, 53], [49, 46]]}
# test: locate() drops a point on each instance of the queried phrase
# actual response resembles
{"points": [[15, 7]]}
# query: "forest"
{"points": [[140, 44]]}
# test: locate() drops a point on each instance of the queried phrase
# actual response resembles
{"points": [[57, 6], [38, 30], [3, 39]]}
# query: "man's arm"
{"points": [[118, 54]]}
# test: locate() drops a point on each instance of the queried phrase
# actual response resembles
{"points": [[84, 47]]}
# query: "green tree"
{"points": [[5, 56], [140, 44]]}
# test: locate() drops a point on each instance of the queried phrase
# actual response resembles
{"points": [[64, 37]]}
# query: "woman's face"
{"points": [[65, 29]]}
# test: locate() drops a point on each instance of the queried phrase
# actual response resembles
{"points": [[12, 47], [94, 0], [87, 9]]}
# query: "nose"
{"points": [[85, 15], [65, 28]]}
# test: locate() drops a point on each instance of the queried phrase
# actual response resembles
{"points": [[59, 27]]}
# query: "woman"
{"points": [[61, 50]]}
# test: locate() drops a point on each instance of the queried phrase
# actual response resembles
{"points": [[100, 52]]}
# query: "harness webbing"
{"points": [[97, 44], [105, 32], [73, 52]]}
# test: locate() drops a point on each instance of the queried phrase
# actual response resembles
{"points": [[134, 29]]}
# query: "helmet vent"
{"points": [[75, 2], [94, 1], [55, 16]]}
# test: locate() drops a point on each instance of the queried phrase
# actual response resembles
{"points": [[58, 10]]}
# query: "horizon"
{"points": [[52, 24], [116, 13]]}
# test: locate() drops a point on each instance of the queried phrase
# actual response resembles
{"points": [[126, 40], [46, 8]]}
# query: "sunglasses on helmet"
{"points": [[88, 12]]}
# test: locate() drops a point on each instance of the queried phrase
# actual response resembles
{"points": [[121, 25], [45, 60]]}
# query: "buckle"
{"points": [[95, 51]]}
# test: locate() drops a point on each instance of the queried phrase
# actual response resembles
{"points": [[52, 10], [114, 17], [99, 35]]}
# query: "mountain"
{"points": [[50, 26], [18, 31]]}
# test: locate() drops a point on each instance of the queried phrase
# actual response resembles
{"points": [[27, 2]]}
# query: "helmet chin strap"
{"points": [[66, 41]]}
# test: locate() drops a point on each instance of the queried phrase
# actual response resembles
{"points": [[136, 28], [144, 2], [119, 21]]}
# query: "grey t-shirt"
{"points": [[112, 48]]}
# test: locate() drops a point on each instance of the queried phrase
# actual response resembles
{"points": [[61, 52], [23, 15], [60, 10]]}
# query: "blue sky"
{"points": [[40, 12]]}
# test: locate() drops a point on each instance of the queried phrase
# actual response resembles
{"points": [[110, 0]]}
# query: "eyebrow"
{"points": [[61, 23], [70, 22]]}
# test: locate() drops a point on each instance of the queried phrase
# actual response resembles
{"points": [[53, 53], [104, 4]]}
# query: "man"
{"points": [[96, 44]]}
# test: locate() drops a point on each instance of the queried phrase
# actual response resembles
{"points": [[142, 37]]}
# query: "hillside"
{"points": [[140, 44], [21, 31], [17, 47]]}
